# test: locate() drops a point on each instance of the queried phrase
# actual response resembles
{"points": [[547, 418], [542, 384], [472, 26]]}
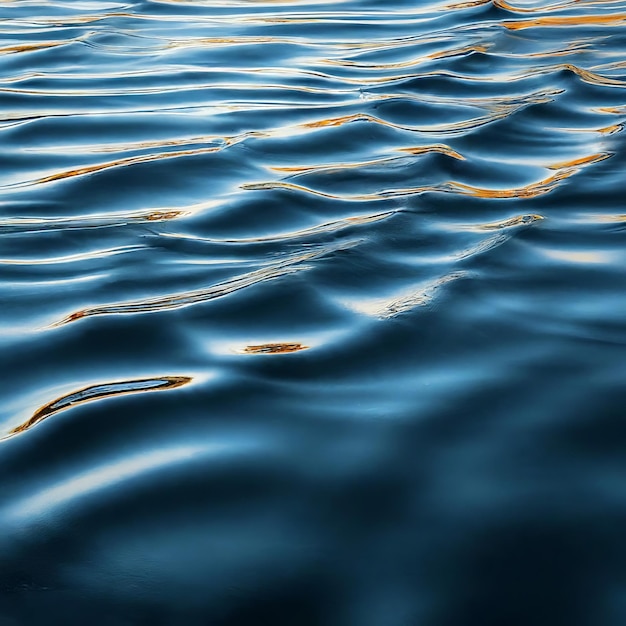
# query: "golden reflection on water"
{"points": [[441, 149], [532, 190], [274, 348], [586, 160], [457, 6], [198, 42], [496, 109], [34, 224], [568, 20], [604, 130], [98, 392], [92, 169], [611, 130], [590, 77], [41, 45], [132, 146], [451, 52], [529, 191], [558, 6], [335, 167], [621, 110]]}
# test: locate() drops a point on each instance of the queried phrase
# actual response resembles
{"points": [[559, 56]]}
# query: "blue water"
{"points": [[312, 313]]}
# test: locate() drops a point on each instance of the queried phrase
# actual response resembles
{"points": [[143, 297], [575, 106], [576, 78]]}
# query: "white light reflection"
{"points": [[404, 301], [106, 476], [585, 257]]}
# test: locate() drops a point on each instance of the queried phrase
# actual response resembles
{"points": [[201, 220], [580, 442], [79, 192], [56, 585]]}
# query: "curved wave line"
{"points": [[500, 112], [32, 47], [503, 4], [99, 392], [451, 52], [282, 268], [384, 308], [617, 19], [328, 227], [511, 222], [582, 161], [72, 258], [529, 191], [92, 169], [326, 167], [585, 75], [36, 224]]}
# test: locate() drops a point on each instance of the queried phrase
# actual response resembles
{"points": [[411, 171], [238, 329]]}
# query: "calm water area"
{"points": [[312, 313]]}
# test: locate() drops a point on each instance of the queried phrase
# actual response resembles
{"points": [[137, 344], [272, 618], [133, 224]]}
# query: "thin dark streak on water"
{"points": [[372, 259]]}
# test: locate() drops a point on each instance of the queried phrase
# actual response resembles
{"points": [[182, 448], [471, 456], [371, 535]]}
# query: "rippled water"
{"points": [[312, 313]]}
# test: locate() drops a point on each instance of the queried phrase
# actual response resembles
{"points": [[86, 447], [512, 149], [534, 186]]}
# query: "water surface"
{"points": [[312, 313]]}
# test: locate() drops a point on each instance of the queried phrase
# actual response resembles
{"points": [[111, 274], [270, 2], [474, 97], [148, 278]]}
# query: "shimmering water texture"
{"points": [[312, 313]]}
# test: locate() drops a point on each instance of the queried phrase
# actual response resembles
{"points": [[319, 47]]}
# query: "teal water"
{"points": [[312, 313]]}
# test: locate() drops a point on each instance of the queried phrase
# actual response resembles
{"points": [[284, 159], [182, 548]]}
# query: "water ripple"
{"points": [[392, 237], [97, 392]]}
